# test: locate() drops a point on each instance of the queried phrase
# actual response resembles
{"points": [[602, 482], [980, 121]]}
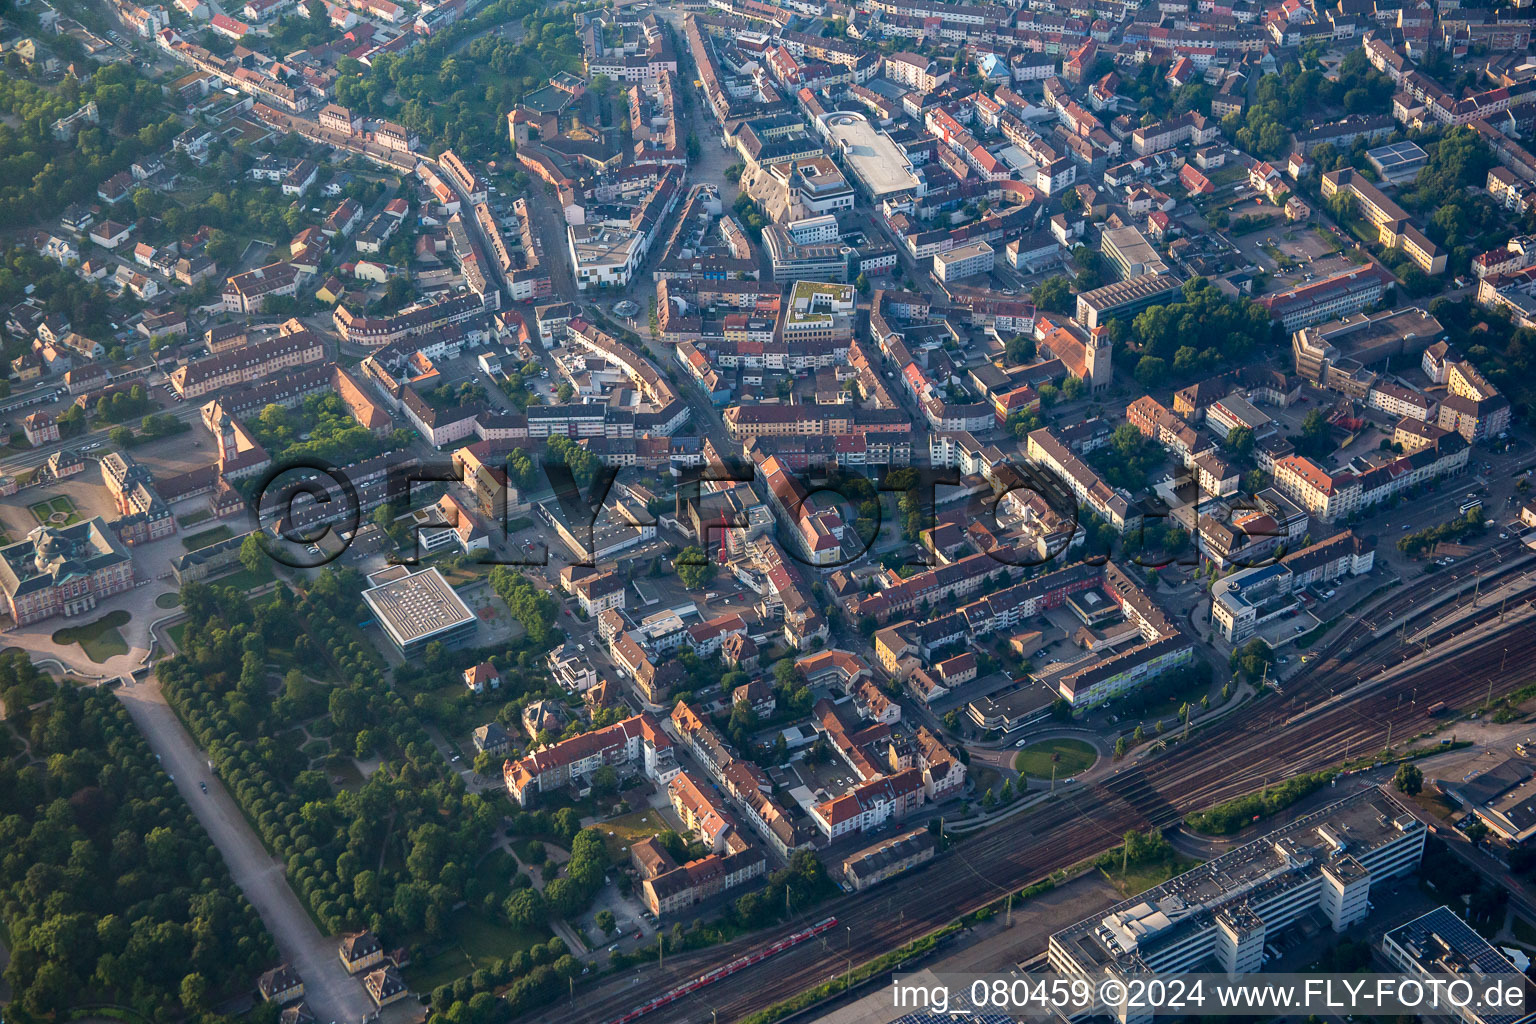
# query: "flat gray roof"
{"points": [[416, 606], [870, 154]]}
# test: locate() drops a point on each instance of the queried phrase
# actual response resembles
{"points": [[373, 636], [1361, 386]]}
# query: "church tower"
{"points": [[1098, 360]]}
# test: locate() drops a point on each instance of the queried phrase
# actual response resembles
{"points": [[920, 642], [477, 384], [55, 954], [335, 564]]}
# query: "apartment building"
{"points": [[745, 421], [871, 804], [1390, 220], [963, 261], [245, 293], [1474, 408], [635, 744], [1191, 127], [1313, 302], [1329, 496], [1114, 507], [742, 781], [913, 70], [1247, 599], [378, 332], [244, 365]]}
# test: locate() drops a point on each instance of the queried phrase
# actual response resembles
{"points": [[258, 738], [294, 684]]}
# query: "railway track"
{"points": [[1229, 758]]}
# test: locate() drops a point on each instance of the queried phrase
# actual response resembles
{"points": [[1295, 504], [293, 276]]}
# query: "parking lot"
{"points": [[1292, 254], [1284, 630]]}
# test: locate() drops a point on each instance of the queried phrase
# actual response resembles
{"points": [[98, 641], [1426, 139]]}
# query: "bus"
{"points": [[1471, 503]]}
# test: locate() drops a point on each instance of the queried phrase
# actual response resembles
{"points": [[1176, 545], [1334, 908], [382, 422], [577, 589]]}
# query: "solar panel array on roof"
{"points": [[1397, 153]]}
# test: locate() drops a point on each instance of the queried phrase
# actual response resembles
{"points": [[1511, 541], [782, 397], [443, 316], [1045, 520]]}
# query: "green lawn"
{"points": [[44, 511], [193, 542], [1069, 757], [1226, 174], [99, 640], [244, 579], [1523, 929], [344, 774], [1142, 877], [473, 942], [168, 601], [627, 828]]}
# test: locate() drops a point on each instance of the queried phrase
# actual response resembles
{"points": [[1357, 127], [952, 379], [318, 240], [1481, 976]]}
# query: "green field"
{"points": [[984, 777], [1068, 756], [45, 510], [1142, 877], [99, 640], [194, 541], [473, 943], [628, 828], [1226, 174], [244, 579]]}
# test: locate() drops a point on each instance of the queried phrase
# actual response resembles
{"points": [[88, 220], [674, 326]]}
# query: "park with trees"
{"points": [[110, 891], [321, 428], [41, 174], [391, 852], [457, 95], [1202, 332]]}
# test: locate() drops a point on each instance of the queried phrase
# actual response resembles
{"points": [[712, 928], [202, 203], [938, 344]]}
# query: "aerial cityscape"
{"points": [[753, 510]]}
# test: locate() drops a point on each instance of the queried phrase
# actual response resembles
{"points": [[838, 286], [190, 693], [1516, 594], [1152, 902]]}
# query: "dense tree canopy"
{"points": [[1296, 98], [1203, 331], [459, 98], [321, 428], [39, 174], [109, 889], [394, 854]]}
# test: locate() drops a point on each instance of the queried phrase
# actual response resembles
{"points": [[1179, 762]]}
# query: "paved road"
{"points": [[31, 458], [332, 994]]}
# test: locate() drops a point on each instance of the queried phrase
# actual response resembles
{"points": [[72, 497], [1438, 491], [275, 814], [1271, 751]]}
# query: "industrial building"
{"points": [[1217, 917], [1438, 944]]}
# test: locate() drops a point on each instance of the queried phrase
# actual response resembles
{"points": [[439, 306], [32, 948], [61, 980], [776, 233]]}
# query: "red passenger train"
{"points": [[704, 980]]}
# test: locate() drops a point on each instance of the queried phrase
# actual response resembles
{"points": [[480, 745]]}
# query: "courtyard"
{"points": [[54, 511]]}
